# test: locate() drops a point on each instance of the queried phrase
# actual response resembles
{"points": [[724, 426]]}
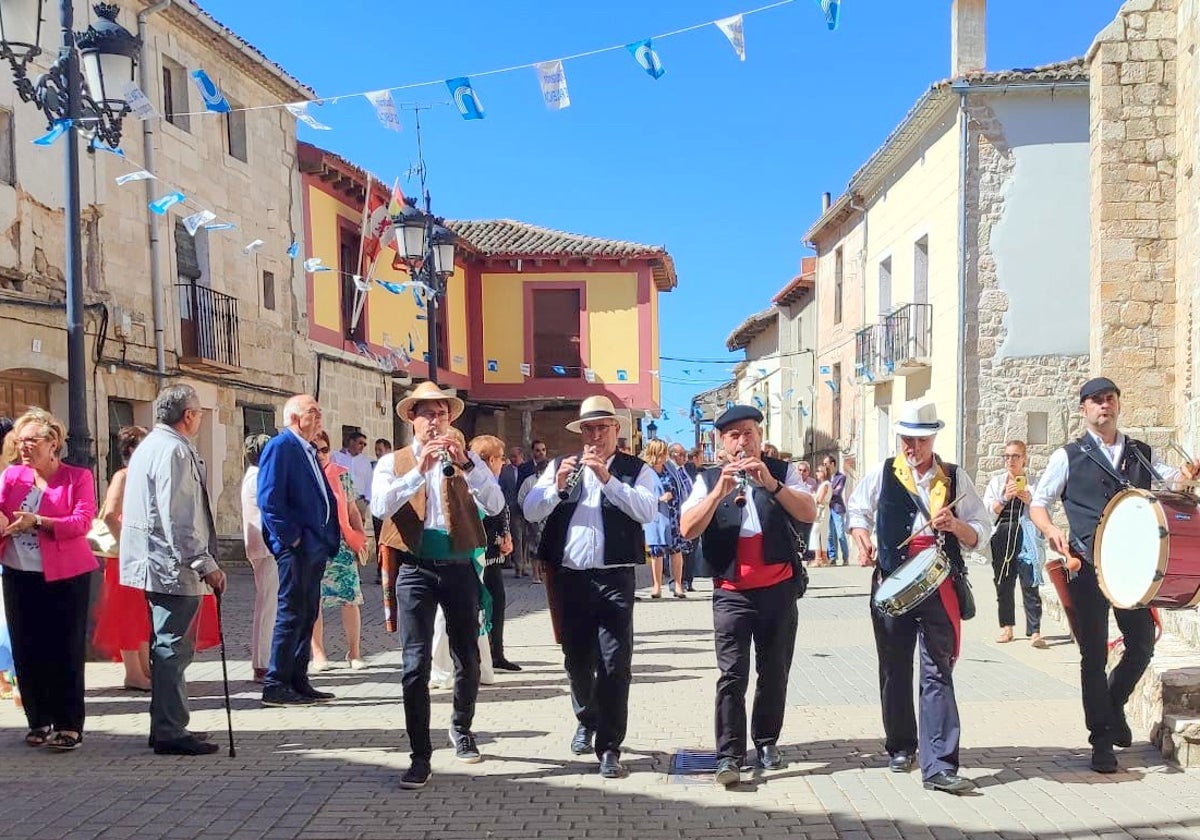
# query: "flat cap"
{"points": [[736, 413], [1098, 385]]}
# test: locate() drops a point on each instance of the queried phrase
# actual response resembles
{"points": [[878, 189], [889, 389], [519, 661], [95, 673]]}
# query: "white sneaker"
{"points": [[316, 667], [356, 664]]}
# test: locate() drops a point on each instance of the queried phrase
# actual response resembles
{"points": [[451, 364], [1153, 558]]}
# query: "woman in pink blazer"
{"points": [[46, 509]]}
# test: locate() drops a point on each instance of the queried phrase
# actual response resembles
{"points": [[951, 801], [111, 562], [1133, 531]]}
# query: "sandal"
{"points": [[65, 741], [38, 736]]}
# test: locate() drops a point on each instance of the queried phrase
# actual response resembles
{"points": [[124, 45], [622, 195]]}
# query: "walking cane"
{"points": [[225, 677]]}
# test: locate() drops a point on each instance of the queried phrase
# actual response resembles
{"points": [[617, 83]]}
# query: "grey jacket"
{"points": [[168, 539]]}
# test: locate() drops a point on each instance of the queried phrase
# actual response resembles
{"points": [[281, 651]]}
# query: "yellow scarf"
{"points": [[939, 489]]}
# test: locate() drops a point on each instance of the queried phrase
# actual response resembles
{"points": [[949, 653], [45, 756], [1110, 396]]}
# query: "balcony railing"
{"points": [[870, 362], [909, 337], [208, 329]]}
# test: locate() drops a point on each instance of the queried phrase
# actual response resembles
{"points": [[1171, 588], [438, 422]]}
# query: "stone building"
{"points": [[954, 266], [231, 324]]}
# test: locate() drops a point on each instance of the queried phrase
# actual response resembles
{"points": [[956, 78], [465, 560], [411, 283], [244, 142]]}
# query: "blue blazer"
{"points": [[293, 504]]}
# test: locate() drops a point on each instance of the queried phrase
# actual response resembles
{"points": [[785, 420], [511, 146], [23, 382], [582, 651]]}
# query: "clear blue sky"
{"points": [[722, 162]]}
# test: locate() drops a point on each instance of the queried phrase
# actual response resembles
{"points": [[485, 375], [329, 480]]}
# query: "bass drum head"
{"points": [[1131, 555]]}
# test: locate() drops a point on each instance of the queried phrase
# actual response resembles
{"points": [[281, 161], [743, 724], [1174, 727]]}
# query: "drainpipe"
{"points": [[860, 434], [960, 408], [156, 286]]}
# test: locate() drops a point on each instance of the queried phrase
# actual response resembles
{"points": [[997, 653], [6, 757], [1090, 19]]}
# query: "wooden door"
{"points": [[17, 395]]}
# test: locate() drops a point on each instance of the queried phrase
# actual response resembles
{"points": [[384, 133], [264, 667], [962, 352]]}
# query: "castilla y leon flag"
{"points": [[376, 227]]}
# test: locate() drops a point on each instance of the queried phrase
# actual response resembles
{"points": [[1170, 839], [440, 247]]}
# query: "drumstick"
{"points": [[927, 524]]}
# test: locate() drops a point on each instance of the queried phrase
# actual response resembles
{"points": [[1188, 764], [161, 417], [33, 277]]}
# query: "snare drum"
{"points": [[1147, 550], [915, 580]]}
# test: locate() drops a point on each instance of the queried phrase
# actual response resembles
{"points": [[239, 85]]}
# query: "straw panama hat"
{"points": [[429, 392]]}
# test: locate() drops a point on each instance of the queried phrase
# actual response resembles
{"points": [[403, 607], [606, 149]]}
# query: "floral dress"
{"points": [[340, 585], [663, 537]]}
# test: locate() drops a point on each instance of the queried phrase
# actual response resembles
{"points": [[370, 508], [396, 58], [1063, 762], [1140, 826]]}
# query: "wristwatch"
{"points": [[778, 488], [467, 465]]}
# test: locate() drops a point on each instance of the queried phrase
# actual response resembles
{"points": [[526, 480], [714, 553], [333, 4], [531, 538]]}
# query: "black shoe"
{"points": [[505, 665], [199, 736], [278, 696], [902, 762], [581, 744], [948, 782], [314, 695], [416, 776], [729, 772], [1104, 760], [611, 766], [185, 746], [1122, 735], [465, 749], [688, 587], [769, 757]]}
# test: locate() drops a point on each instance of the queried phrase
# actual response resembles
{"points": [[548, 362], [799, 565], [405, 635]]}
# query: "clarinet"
{"points": [[447, 464], [743, 483], [572, 480]]}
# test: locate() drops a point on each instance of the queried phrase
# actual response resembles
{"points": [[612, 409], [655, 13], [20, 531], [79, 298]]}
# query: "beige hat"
{"points": [[600, 408], [429, 392]]}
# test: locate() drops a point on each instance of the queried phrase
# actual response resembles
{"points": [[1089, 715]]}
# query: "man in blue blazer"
{"points": [[300, 526]]}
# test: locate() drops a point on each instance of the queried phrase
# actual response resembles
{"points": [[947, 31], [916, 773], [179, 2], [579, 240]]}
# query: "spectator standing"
{"points": [[837, 512], [532, 531], [695, 463], [498, 533], [169, 549], [510, 484], [354, 459], [1007, 498], [805, 471], [383, 446], [820, 528], [266, 572]]}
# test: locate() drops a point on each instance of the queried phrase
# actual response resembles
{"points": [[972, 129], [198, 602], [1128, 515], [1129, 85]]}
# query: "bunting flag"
{"points": [[622, 376], [362, 284], [394, 288], [299, 110], [214, 100], [376, 230], [553, 81], [252, 247], [493, 365], [98, 145], [643, 53], [139, 104], [293, 250], [220, 226], [559, 369], [160, 206], [140, 175], [589, 374], [833, 12], [526, 370], [731, 27], [385, 109], [58, 129], [194, 222], [418, 298], [758, 401], [465, 98]]}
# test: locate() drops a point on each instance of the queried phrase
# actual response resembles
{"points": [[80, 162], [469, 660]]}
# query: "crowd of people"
{"points": [[448, 516]]}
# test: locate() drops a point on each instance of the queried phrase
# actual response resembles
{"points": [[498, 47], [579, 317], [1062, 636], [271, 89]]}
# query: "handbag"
{"points": [[962, 588], [101, 540]]}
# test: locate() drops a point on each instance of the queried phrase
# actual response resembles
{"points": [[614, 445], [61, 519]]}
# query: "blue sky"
{"points": [[721, 161]]}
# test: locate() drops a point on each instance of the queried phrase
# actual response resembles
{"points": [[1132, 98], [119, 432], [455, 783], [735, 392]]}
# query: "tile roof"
{"points": [[806, 280], [1073, 70], [751, 327], [509, 238]]}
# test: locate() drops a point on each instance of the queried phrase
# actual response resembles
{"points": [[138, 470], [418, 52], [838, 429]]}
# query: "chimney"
{"points": [[825, 201], [968, 37]]}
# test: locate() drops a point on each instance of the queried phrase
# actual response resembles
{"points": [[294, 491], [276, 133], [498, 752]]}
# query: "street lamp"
{"points": [[109, 53], [652, 430], [428, 247]]}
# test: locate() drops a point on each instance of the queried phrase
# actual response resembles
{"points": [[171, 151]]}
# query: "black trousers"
{"points": [[419, 591], [597, 644], [493, 581], [1104, 695], [896, 638], [48, 625], [1006, 571], [768, 616]]}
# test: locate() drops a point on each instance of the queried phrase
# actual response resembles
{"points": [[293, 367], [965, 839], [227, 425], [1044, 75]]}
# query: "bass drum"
{"points": [[915, 580], [1147, 550]]}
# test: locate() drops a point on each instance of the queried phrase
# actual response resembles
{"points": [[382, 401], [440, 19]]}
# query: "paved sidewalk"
{"points": [[331, 772]]}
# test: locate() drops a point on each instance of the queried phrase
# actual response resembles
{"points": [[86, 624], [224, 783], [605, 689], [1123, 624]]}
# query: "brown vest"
{"points": [[404, 529]]}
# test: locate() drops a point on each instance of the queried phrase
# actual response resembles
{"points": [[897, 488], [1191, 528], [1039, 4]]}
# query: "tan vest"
{"points": [[404, 529]]}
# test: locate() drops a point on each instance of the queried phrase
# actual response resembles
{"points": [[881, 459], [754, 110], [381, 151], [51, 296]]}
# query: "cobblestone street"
{"points": [[331, 772]]}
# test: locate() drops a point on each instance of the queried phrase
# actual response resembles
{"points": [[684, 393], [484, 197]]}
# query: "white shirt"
{"points": [[751, 525], [585, 533], [1054, 480], [390, 492], [256, 548], [359, 467], [864, 501], [993, 494], [311, 452]]}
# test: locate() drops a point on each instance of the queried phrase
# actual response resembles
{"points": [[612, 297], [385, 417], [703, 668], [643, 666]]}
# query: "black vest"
{"points": [[894, 520], [779, 530], [624, 539], [1091, 486]]}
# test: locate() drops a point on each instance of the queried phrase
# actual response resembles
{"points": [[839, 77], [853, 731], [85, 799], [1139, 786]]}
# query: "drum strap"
{"points": [[1104, 464]]}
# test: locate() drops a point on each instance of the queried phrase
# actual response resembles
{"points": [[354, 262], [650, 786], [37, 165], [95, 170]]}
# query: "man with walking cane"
{"points": [[169, 549]]}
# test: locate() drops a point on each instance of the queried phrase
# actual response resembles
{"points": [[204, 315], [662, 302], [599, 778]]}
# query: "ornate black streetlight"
{"points": [[95, 107], [652, 430], [428, 250]]}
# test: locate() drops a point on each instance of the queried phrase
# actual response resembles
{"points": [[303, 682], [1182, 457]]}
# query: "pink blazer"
{"points": [[70, 500]]}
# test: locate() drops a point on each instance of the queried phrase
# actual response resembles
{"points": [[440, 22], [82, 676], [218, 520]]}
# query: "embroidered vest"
{"points": [[403, 531]]}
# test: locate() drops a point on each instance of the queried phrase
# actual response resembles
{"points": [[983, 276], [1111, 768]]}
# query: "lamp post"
{"points": [[95, 106], [652, 430], [428, 247]]}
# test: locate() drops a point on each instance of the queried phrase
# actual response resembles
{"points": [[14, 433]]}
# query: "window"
{"points": [[268, 293], [349, 246], [175, 94], [1037, 428], [120, 415], [556, 333], [258, 420], [884, 431], [8, 167], [235, 132], [837, 286], [885, 286], [836, 424], [921, 270]]}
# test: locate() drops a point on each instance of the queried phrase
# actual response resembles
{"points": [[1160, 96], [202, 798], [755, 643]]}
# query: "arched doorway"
{"points": [[22, 388]]}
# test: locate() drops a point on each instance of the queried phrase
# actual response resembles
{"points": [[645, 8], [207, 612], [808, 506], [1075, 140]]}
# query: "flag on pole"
{"points": [[397, 201], [214, 100], [465, 98], [832, 10], [385, 109], [643, 53], [732, 29], [375, 224], [553, 81]]}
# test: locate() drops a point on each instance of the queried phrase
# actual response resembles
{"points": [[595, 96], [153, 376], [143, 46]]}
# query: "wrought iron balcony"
{"points": [[870, 361], [909, 338], [208, 329]]}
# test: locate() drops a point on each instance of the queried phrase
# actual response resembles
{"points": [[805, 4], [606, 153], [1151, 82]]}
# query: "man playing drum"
{"points": [[903, 498], [1086, 474]]}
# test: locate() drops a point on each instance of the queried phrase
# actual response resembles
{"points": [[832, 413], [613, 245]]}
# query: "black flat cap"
{"points": [[1099, 385], [736, 413]]}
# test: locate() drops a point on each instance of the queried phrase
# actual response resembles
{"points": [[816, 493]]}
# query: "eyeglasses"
{"points": [[31, 441], [434, 415], [324, 450], [596, 428], [1012, 456]]}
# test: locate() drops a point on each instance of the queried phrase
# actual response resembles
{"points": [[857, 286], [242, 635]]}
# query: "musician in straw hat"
{"points": [[917, 495], [594, 506], [429, 496]]}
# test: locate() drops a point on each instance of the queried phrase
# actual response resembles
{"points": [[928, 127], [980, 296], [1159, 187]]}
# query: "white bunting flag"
{"points": [[732, 28], [138, 102], [140, 175], [299, 110], [526, 369], [554, 84], [589, 374], [253, 246], [196, 220], [385, 109]]}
